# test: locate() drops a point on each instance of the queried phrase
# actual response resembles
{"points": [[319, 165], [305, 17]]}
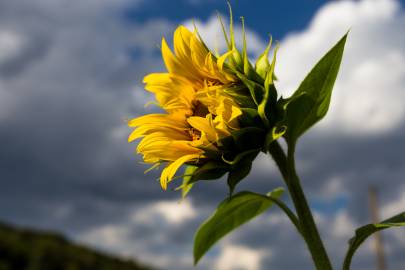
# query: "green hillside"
{"points": [[22, 249]]}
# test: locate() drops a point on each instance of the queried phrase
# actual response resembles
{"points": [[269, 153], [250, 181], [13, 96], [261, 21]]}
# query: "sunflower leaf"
{"points": [[363, 232], [310, 102], [229, 215]]}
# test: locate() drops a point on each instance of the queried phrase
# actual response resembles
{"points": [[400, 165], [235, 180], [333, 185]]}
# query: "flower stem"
{"points": [[308, 228]]}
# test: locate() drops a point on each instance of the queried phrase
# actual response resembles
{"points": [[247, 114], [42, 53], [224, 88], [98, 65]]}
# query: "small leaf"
{"points": [[230, 214], [310, 102], [275, 193], [363, 232]]}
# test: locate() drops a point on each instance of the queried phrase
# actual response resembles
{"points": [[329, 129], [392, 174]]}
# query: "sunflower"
{"points": [[198, 111]]}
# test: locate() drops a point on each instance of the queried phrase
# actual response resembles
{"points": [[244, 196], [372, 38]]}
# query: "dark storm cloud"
{"points": [[360, 162], [71, 86]]}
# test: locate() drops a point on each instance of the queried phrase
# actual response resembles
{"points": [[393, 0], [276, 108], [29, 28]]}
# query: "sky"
{"points": [[71, 75]]}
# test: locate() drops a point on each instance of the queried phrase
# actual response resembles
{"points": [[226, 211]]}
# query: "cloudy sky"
{"points": [[70, 76]]}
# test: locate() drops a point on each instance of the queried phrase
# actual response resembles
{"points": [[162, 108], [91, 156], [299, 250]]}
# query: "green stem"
{"points": [[308, 227]]}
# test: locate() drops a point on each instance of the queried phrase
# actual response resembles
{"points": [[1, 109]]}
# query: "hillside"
{"points": [[22, 249]]}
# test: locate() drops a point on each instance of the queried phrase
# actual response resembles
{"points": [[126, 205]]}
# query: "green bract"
{"points": [[257, 98]]}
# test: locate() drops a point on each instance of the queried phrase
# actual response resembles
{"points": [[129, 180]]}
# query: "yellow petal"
{"points": [[168, 57], [181, 42], [172, 120], [169, 172], [204, 125], [221, 60], [173, 133]]}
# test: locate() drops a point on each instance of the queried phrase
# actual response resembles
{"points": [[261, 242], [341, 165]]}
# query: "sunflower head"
{"points": [[219, 111]]}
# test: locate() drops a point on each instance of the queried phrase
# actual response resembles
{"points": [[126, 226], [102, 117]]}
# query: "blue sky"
{"points": [[70, 76], [268, 17]]}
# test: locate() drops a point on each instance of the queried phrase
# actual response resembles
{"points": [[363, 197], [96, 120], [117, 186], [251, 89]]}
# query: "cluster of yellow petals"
{"points": [[198, 111]]}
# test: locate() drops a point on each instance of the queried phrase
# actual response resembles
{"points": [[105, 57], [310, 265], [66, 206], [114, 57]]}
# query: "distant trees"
{"points": [[30, 250]]}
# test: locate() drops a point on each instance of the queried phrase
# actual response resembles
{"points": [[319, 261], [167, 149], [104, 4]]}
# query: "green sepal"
{"points": [[186, 186], [250, 118], [224, 31], [364, 232], [236, 56], [250, 72], [256, 90], [248, 138], [226, 143], [241, 95], [237, 174], [248, 69], [274, 134], [262, 63], [211, 170], [210, 153], [240, 167], [237, 59], [229, 215], [246, 155], [267, 107]]}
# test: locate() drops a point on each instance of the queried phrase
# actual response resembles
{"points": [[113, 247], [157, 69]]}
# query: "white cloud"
{"points": [[394, 207], [264, 165], [173, 212], [237, 257], [368, 96], [10, 45], [146, 230], [343, 226], [332, 188], [109, 236]]}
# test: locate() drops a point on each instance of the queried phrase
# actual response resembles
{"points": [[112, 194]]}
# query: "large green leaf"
{"points": [[310, 102], [363, 232], [230, 214]]}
